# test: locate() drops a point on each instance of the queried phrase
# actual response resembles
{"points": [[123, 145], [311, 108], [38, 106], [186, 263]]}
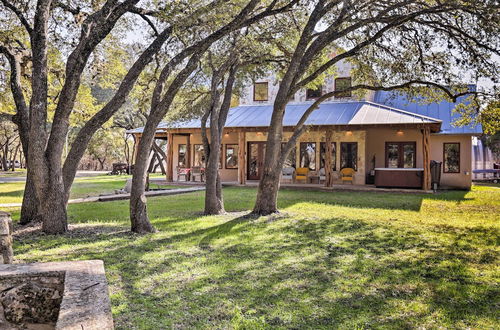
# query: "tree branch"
{"points": [[19, 15]]}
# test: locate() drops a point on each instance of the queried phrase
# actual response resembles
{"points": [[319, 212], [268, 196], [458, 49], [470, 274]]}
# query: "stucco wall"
{"points": [[457, 180], [377, 137]]}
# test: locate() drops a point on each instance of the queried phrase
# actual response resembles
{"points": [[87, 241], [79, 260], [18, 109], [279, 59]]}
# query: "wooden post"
{"points": [[328, 159], [170, 157], [426, 182], [188, 150], [241, 158]]}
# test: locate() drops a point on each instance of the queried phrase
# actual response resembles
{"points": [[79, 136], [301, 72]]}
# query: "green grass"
{"points": [[329, 260], [12, 192]]}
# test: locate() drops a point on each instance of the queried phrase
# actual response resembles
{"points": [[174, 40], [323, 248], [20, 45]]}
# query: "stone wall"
{"points": [[31, 301], [70, 295]]}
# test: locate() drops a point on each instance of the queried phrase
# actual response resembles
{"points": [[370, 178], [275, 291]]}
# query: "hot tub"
{"points": [[399, 177]]}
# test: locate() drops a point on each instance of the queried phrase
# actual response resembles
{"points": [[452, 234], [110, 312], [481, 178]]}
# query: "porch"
{"points": [[362, 149]]}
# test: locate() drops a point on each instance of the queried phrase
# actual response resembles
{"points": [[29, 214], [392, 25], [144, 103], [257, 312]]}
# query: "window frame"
{"points": [[444, 158], [341, 144], [203, 154], [401, 145], [315, 155], [320, 89], [267, 89], [345, 94], [334, 154], [179, 154], [233, 146]]}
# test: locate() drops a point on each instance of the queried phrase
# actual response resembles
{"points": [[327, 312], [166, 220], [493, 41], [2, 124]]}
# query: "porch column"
{"points": [[170, 157], [426, 182], [241, 157], [328, 158], [188, 151]]}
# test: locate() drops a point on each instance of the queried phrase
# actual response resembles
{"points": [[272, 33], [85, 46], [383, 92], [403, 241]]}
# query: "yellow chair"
{"points": [[347, 174], [301, 174]]}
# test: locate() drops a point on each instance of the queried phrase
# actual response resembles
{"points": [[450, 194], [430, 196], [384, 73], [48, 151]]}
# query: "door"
{"points": [[256, 151]]}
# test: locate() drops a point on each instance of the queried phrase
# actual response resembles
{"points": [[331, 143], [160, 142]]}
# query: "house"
{"points": [[383, 137]]}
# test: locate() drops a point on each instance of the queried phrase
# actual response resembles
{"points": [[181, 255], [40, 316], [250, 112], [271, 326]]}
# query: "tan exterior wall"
{"points": [[377, 137], [463, 179], [371, 143]]}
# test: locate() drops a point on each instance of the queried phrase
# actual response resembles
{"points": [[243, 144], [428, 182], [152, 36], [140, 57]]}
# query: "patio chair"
{"points": [[347, 174], [183, 172], [197, 172], [287, 174], [302, 174]]}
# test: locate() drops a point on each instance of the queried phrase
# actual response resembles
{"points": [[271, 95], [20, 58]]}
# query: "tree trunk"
{"points": [[267, 195], [4, 162], [214, 203], [53, 207], [29, 208]]}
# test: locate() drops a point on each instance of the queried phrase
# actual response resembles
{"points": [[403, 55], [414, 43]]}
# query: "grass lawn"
{"points": [[12, 192], [329, 260]]}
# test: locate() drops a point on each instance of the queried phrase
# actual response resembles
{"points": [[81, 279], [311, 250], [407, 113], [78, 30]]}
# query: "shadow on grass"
{"points": [[289, 273], [12, 193]]}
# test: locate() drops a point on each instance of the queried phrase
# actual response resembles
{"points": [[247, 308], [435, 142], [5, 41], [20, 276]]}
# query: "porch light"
{"points": [[348, 133], [259, 133], [399, 132], [226, 135]]}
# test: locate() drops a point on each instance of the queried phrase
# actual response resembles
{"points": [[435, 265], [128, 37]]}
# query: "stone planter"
{"points": [[6, 252], [55, 295]]}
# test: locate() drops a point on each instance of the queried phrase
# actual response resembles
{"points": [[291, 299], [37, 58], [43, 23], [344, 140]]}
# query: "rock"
{"points": [[30, 302]]}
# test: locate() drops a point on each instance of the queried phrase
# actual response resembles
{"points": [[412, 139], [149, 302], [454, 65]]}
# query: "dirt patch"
{"points": [[34, 231]]}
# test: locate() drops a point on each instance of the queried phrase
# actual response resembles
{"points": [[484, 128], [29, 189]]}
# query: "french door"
{"points": [[256, 152]]}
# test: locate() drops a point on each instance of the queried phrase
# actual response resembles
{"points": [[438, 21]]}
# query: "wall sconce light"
{"points": [[399, 132], [226, 135], [348, 133], [259, 133]]}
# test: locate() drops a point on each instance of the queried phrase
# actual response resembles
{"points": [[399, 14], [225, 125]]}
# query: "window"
{"points": [[290, 161], [322, 155], [308, 155], [313, 93], [199, 155], [260, 91], [400, 154], [349, 155], [181, 161], [451, 157], [341, 84], [231, 156]]}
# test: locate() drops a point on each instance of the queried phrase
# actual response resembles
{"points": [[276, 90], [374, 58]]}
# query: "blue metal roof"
{"points": [[442, 111], [328, 113]]}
